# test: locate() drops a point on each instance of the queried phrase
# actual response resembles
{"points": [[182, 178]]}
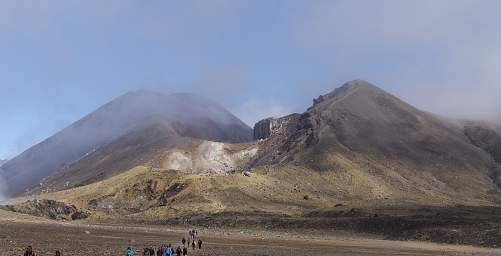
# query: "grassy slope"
{"points": [[146, 193]]}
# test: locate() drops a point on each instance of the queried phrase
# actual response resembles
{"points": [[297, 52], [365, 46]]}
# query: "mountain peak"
{"points": [[181, 115], [358, 84], [349, 91], [353, 86]]}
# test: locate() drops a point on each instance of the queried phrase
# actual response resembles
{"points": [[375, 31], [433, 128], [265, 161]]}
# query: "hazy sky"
{"points": [[59, 60]]}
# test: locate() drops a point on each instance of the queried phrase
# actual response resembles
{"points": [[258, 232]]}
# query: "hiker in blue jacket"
{"points": [[168, 251], [129, 252]]}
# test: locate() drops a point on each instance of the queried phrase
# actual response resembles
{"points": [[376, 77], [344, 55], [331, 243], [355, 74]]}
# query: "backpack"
{"points": [[129, 253]]}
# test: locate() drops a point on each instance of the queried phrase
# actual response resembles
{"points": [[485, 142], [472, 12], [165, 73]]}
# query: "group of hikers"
{"points": [[193, 240], [30, 252], [168, 250]]}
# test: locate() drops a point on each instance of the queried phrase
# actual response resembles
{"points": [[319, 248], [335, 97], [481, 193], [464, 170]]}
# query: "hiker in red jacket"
{"points": [[30, 251]]}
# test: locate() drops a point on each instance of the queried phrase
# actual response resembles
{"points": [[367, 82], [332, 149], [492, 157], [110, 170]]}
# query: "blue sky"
{"points": [[59, 60]]}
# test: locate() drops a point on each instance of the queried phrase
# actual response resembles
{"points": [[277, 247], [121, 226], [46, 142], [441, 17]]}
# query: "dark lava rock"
{"points": [[79, 216], [45, 208]]}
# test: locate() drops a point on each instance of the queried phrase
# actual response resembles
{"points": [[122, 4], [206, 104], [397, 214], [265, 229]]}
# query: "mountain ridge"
{"points": [[185, 114], [359, 159], [357, 131]]}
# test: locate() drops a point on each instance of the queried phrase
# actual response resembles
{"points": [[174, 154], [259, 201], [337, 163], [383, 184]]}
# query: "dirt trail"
{"points": [[105, 240]]}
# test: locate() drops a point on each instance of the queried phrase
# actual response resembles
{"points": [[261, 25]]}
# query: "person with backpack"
{"points": [[183, 241], [193, 244], [199, 243], [185, 251], [129, 252], [179, 251], [168, 250], [30, 251]]}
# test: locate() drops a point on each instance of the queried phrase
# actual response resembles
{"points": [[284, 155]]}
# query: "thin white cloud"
{"points": [[255, 110]]}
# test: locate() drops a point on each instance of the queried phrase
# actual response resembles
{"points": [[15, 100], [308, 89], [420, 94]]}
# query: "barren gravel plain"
{"points": [[79, 239]]}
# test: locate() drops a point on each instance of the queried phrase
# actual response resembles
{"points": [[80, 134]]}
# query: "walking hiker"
{"points": [[183, 241], [179, 251], [129, 252], [199, 244], [58, 253], [185, 251], [193, 244], [168, 251], [160, 251], [30, 251]]}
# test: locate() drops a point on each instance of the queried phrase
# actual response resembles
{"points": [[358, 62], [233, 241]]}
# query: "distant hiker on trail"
{"points": [[152, 251], [199, 243], [58, 253], [30, 251], [183, 241], [168, 250], [185, 251], [179, 251], [193, 244], [129, 252], [160, 251], [146, 252], [193, 234]]}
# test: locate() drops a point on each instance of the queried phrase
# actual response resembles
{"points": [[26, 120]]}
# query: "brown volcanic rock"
{"points": [[408, 152], [48, 208], [487, 136], [273, 126]]}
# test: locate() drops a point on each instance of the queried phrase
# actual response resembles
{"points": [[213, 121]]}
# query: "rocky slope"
{"points": [[357, 145], [386, 148], [130, 117], [49, 209], [487, 136]]}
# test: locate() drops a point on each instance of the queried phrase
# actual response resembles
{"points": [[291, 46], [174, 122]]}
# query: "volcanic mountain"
{"points": [[357, 145], [381, 147], [359, 159], [123, 130]]}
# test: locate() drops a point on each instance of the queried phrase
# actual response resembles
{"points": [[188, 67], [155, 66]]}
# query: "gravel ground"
{"points": [[108, 240]]}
